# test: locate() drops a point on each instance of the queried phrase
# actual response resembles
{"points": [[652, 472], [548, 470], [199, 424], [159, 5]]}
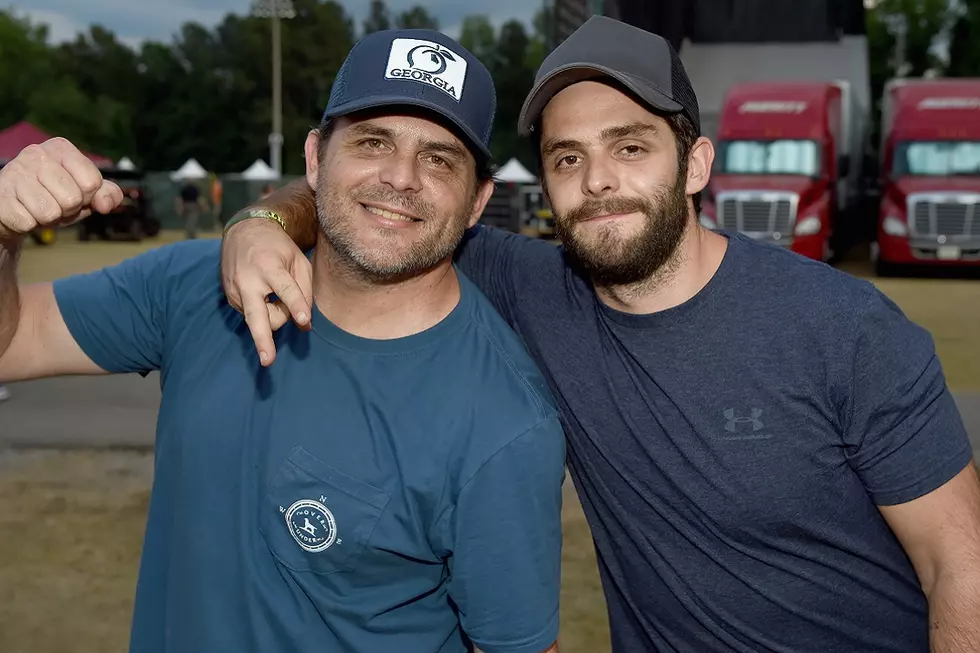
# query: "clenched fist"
{"points": [[52, 184]]}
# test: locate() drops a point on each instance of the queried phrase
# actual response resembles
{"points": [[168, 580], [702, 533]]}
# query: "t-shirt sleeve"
{"points": [[117, 315], [904, 433], [505, 567], [505, 265]]}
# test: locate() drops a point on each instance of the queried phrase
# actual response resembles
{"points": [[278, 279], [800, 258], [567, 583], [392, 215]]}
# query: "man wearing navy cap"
{"points": [[394, 482], [765, 448]]}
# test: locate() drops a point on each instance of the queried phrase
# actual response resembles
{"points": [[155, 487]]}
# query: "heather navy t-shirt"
{"points": [[730, 452], [359, 495]]}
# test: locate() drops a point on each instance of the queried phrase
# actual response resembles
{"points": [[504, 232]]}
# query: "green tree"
{"points": [[540, 44], [378, 18], [418, 17], [924, 22], [206, 94], [964, 41], [477, 36], [25, 60], [513, 78]]}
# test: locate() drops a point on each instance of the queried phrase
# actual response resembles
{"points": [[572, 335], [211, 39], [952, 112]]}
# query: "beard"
{"points": [[387, 256], [611, 259]]}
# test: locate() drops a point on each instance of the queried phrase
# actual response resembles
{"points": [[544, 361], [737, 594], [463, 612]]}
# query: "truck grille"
{"points": [[945, 215], [763, 214]]}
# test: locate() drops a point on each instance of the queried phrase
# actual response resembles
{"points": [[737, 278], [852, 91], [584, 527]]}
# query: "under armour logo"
{"points": [[734, 421]]}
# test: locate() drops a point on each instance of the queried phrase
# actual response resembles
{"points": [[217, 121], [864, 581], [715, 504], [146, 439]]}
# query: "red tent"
{"points": [[16, 138]]}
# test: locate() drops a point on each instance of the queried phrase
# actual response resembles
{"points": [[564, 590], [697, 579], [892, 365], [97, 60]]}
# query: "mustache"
{"points": [[409, 203], [592, 208]]}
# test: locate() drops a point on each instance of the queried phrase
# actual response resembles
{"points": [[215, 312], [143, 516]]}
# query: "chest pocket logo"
{"points": [[316, 518], [312, 524]]}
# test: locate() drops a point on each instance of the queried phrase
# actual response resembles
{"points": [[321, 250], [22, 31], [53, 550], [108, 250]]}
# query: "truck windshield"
{"points": [[778, 157], [941, 158]]}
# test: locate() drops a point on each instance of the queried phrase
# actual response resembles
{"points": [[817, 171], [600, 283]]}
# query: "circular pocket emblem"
{"points": [[312, 525]]}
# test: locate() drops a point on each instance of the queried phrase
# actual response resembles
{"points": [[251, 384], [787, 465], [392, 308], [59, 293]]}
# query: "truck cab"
{"points": [[783, 166], [930, 174]]}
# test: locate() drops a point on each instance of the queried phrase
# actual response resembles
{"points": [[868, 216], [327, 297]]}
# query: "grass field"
{"points": [[71, 523]]}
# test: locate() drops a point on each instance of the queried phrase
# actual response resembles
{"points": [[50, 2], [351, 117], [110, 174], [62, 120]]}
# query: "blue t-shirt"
{"points": [[730, 452], [359, 495]]}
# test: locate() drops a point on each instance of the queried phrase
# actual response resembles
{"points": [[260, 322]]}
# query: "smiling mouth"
{"points": [[606, 216], [390, 215]]}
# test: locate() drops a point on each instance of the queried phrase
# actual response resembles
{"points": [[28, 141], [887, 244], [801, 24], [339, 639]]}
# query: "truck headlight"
{"points": [[895, 226], [808, 226]]}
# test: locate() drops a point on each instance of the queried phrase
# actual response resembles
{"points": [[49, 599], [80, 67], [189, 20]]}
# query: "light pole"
{"points": [[898, 26], [276, 10]]}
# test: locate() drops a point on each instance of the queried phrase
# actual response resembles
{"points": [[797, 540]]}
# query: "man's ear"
{"points": [[312, 151], [699, 163], [483, 194]]}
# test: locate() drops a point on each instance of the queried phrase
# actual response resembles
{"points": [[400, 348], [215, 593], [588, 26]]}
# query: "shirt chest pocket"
{"points": [[316, 518]]}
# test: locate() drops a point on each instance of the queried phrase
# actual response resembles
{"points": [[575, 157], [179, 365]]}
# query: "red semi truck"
{"points": [[930, 174], [787, 164]]}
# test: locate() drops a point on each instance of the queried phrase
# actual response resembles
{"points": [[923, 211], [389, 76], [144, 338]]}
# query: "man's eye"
{"points": [[632, 150], [568, 160], [437, 160]]}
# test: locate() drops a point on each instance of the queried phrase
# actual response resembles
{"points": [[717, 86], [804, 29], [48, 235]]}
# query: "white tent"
{"points": [[190, 170], [126, 164], [514, 172], [259, 170]]}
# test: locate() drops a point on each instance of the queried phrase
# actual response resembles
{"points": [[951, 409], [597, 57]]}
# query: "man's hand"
{"points": [[259, 259], [52, 184]]}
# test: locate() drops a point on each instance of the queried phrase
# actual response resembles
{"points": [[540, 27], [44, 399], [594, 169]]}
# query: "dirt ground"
{"points": [[71, 529], [71, 523]]}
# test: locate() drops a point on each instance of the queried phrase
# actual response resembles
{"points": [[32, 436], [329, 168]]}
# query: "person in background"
{"points": [[189, 206], [217, 193]]}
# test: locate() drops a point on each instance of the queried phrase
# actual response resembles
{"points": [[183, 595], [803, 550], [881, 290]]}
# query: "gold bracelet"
{"points": [[248, 214]]}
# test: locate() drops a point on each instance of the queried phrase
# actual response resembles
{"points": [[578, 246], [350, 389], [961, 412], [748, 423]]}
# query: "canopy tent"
{"points": [[17, 137], [190, 170], [125, 163], [259, 171], [513, 172]]}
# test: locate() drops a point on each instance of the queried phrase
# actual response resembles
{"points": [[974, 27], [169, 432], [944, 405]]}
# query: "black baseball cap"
{"points": [[421, 68], [645, 63]]}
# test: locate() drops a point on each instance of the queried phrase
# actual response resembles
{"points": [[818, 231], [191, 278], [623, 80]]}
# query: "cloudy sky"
{"points": [[138, 20]]}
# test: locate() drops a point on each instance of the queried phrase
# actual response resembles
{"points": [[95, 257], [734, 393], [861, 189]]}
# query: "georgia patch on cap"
{"points": [[427, 63]]}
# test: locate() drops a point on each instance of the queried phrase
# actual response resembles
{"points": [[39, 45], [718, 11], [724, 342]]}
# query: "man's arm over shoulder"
{"points": [[908, 444], [108, 321], [505, 529]]}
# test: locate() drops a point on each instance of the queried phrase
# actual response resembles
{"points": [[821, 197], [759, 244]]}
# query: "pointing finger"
{"points": [[259, 325]]}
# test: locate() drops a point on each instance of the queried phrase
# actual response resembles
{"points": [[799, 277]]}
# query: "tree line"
{"points": [[207, 93]]}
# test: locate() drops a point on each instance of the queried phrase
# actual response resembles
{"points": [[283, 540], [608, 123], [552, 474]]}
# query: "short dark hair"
{"points": [[485, 169], [684, 134]]}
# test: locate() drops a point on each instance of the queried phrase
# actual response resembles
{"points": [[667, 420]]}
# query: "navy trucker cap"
{"points": [[422, 68], [644, 62]]}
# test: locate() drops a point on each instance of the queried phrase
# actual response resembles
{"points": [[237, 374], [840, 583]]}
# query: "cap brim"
{"points": [[564, 76], [371, 102]]}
